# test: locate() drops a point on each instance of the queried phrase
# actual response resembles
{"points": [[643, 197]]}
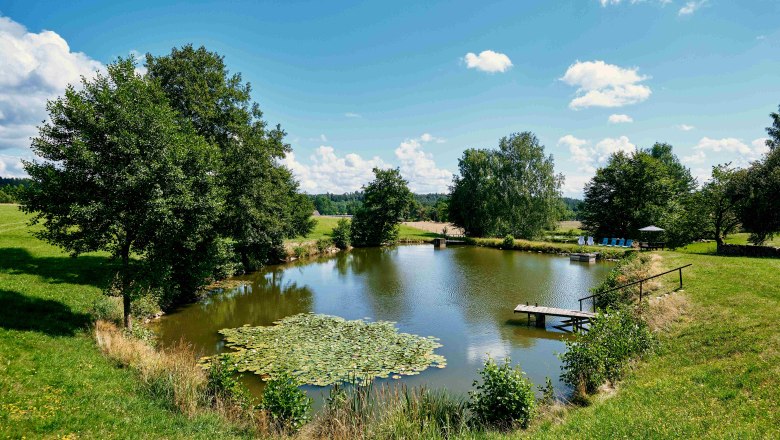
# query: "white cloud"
{"points": [[685, 127], [35, 67], [419, 168], [352, 115], [11, 166], [488, 61], [697, 157], [691, 7], [330, 173], [605, 85], [620, 119], [588, 157], [746, 153], [323, 138]]}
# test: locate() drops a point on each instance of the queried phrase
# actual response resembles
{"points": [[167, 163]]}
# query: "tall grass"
{"points": [[173, 376]]}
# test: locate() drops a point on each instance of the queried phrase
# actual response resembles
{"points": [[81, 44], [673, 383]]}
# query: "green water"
{"points": [[462, 295]]}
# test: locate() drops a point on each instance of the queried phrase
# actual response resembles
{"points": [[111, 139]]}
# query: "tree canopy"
{"points": [[386, 202], [634, 190], [120, 173], [512, 190], [262, 205]]}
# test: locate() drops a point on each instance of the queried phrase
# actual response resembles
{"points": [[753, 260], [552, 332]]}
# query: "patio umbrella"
{"points": [[651, 228]]}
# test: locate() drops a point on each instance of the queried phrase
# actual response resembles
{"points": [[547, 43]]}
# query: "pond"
{"points": [[464, 296]]}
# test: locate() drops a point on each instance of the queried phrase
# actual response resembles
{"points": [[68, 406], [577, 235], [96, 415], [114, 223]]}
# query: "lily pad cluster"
{"points": [[324, 350]]}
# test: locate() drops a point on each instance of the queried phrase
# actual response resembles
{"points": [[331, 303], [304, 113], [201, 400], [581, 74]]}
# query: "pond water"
{"points": [[464, 296]]}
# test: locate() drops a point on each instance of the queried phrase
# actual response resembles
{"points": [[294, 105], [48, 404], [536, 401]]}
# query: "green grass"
{"points": [[709, 248], [716, 374], [53, 379]]}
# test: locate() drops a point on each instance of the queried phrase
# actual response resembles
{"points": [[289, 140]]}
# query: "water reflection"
{"points": [[464, 296]]}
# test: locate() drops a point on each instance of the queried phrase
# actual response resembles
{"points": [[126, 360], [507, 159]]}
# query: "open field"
{"points": [[716, 374], [325, 225]]}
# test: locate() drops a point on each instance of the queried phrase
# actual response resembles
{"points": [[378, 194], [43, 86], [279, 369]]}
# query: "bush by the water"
{"points": [[342, 233], [633, 267], [509, 242], [286, 404], [602, 354], [504, 399]]}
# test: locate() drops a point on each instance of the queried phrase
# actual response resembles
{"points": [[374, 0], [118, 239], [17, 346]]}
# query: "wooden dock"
{"points": [[574, 318]]}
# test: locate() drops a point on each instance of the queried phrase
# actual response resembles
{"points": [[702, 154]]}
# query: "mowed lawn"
{"points": [[53, 380], [716, 374]]}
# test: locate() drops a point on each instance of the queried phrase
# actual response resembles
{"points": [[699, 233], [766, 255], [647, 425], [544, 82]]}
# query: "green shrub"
{"points": [[145, 306], [222, 385], [548, 392], [286, 404], [300, 251], [504, 399], [342, 234], [323, 244], [106, 308], [602, 354], [438, 410], [509, 242]]}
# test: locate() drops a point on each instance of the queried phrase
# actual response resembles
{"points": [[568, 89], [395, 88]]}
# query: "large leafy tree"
{"points": [[512, 190], [758, 194], [774, 130], [122, 173], [386, 202], [635, 190], [262, 205], [720, 202]]}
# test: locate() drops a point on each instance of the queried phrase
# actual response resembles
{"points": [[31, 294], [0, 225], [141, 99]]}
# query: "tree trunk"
{"points": [[126, 303]]}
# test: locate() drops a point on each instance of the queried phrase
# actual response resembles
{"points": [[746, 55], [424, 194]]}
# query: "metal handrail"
{"points": [[635, 283]]}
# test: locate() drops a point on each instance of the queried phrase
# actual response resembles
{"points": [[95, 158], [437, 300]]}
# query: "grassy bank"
{"points": [[54, 381], [716, 373], [549, 248]]}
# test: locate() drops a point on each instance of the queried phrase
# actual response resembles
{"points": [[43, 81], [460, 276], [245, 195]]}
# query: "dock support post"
{"points": [[539, 320]]}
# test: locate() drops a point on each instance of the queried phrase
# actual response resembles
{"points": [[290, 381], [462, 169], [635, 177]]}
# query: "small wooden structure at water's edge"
{"points": [[574, 318], [584, 257]]}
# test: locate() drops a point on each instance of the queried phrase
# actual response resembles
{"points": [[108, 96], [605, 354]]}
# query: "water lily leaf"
{"points": [[323, 350]]}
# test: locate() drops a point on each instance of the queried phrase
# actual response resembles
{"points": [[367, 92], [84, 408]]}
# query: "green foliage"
{"points": [[287, 405], [300, 251], [261, 206], [222, 385], [758, 191], [323, 350], [122, 174], [630, 268], [548, 392], [602, 353], [342, 234], [106, 308], [511, 190], [505, 398], [508, 242], [146, 306], [635, 190], [323, 244], [386, 202], [435, 410]]}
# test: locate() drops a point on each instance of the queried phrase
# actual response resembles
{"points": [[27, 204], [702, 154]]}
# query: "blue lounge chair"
{"points": [[604, 241], [613, 242], [590, 241], [621, 242], [581, 240], [629, 243]]}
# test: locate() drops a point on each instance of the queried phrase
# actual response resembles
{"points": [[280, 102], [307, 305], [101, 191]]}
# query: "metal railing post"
{"points": [[640, 291], [681, 278]]}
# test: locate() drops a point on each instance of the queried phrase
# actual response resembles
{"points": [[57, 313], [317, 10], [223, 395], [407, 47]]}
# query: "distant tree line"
{"points": [[173, 172], [433, 207], [10, 187]]}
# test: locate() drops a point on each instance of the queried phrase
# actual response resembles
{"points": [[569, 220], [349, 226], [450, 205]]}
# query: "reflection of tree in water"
{"points": [[378, 267], [267, 297]]}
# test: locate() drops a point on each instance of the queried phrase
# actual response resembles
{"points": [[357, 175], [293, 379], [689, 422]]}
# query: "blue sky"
{"points": [[359, 84]]}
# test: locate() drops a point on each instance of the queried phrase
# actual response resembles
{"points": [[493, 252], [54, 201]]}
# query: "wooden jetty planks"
{"points": [[554, 311]]}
